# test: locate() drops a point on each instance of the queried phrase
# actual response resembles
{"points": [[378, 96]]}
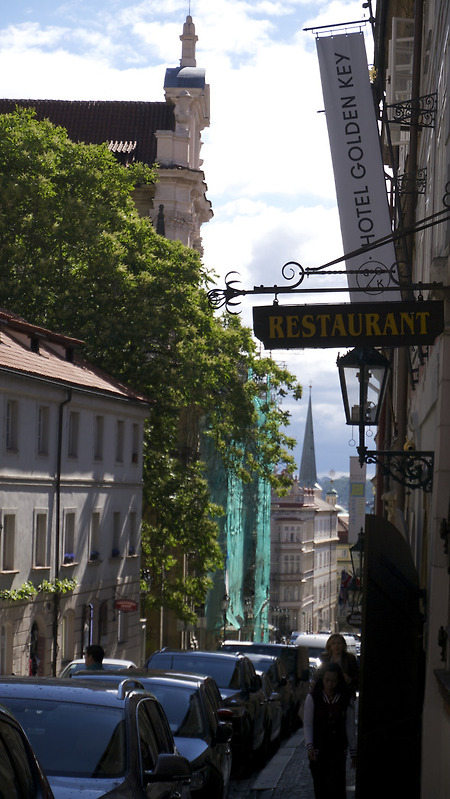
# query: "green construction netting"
{"points": [[245, 542]]}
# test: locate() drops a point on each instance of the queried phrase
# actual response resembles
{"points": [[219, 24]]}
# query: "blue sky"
{"points": [[266, 153]]}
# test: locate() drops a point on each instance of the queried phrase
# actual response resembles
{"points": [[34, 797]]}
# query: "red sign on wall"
{"points": [[125, 605]]}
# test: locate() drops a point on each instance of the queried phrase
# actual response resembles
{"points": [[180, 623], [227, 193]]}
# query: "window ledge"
{"points": [[40, 568], [9, 571], [443, 680], [69, 565]]}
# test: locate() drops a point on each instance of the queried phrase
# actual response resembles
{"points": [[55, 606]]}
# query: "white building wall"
{"points": [[105, 485]]}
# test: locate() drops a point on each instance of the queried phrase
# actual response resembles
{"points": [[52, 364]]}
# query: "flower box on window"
{"points": [[131, 550], [69, 557], [115, 553], [94, 555]]}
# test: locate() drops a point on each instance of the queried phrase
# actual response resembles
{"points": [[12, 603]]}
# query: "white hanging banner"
{"points": [[357, 164]]}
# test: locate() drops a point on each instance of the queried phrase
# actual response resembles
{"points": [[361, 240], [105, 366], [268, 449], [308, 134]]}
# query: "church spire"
{"points": [[188, 39], [308, 474]]}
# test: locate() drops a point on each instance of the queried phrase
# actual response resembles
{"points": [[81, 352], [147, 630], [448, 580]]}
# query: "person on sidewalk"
{"points": [[329, 728], [336, 652]]}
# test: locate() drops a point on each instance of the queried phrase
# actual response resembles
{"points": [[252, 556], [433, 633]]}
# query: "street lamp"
{"points": [[225, 604], [363, 374]]}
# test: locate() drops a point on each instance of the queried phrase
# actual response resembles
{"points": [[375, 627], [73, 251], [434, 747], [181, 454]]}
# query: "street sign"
{"points": [[354, 619]]}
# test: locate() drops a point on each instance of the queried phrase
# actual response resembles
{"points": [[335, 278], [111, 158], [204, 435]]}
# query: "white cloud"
{"points": [[266, 155]]}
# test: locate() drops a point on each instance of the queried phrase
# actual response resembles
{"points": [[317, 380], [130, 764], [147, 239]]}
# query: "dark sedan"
{"points": [[191, 704], [273, 667], [21, 774], [93, 743], [239, 686]]}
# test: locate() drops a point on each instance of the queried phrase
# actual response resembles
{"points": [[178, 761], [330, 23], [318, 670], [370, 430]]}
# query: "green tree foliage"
{"points": [[76, 257]]}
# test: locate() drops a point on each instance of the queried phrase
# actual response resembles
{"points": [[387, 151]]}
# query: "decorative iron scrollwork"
{"points": [[418, 111], [413, 183], [410, 469]]}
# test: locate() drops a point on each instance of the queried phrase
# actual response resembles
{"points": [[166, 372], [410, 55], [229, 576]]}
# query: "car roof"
{"points": [[193, 652], [56, 689], [105, 660], [189, 680]]}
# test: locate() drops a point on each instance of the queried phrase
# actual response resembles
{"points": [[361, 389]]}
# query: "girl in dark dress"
{"points": [[329, 726]]}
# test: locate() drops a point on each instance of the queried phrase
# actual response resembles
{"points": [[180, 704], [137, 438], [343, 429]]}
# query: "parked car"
{"points": [[21, 775], [294, 659], [274, 716], [273, 667], [191, 704], [93, 743], [108, 663], [240, 688]]}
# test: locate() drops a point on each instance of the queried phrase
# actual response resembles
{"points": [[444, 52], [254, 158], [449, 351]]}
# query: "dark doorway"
{"points": [[392, 668]]}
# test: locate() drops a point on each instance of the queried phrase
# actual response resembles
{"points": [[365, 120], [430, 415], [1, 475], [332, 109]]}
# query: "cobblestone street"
{"points": [[286, 775]]}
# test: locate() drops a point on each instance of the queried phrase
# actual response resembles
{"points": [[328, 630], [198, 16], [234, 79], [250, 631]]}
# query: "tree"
{"points": [[76, 257]]}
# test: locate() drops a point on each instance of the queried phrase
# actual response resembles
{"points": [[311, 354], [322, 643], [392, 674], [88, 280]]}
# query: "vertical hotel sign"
{"points": [[357, 164]]}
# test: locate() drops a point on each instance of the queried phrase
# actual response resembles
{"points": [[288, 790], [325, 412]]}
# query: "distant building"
{"points": [[70, 503], [304, 539]]}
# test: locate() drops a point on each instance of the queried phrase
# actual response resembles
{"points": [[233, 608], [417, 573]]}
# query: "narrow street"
{"points": [[286, 775]]}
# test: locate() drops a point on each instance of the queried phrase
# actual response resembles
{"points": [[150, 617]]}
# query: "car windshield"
{"points": [[182, 708], [54, 726]]}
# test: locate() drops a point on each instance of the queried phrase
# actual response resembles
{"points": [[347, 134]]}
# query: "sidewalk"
{"points": [[286, 775]]}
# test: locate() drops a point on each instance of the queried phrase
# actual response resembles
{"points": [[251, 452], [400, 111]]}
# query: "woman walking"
{"points": [[329, 726]]}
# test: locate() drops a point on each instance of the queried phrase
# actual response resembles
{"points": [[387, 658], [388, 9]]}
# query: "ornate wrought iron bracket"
{"points": [[411, 469], [413, 183], [372, 276], [419, 111]]}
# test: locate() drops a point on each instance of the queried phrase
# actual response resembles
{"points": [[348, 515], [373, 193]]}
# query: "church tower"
{"points": [[308, 474], [182, 188]]}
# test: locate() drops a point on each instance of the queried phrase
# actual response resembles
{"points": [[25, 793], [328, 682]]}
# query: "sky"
{"points": [[266, 153]]}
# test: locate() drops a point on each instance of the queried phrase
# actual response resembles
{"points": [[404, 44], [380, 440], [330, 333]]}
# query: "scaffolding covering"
{"points": [[245, 542]]}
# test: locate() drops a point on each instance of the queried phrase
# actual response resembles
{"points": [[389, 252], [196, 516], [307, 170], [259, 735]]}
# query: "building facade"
{"points": [[70, 504], [165, 133], [304, 540], [411, 87]]}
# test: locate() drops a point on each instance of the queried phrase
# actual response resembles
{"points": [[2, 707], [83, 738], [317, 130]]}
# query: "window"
{"points": [[69, 537], [94, 544], [135, 444], [67, 638], [43, 429], [40, 539], [120, 432], [5, 649], [132, 540], [12, 425], [115, 548], [74, 424], [98, 437], [8, 538]]}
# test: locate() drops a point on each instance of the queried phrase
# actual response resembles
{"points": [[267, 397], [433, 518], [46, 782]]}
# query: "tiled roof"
{"points": [[116, 123], [52, 358]]}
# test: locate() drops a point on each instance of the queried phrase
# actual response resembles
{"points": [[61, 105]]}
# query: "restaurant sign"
{"points": [[392, 324], [125, 605]]}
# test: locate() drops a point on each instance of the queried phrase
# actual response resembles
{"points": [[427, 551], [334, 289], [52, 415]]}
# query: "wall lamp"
{"points": [[363, 374]]}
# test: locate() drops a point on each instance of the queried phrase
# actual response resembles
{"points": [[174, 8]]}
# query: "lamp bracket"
{"points": [[412, 469]]}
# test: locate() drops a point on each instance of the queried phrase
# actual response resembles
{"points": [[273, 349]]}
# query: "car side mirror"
{"points": [[169, 768], [224, 732]]}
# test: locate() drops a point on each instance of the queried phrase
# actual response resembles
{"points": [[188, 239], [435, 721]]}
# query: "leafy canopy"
{"points": [[76, 257]]}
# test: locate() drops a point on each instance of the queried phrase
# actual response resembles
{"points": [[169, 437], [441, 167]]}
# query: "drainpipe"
{"points": [[58, 529]]}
